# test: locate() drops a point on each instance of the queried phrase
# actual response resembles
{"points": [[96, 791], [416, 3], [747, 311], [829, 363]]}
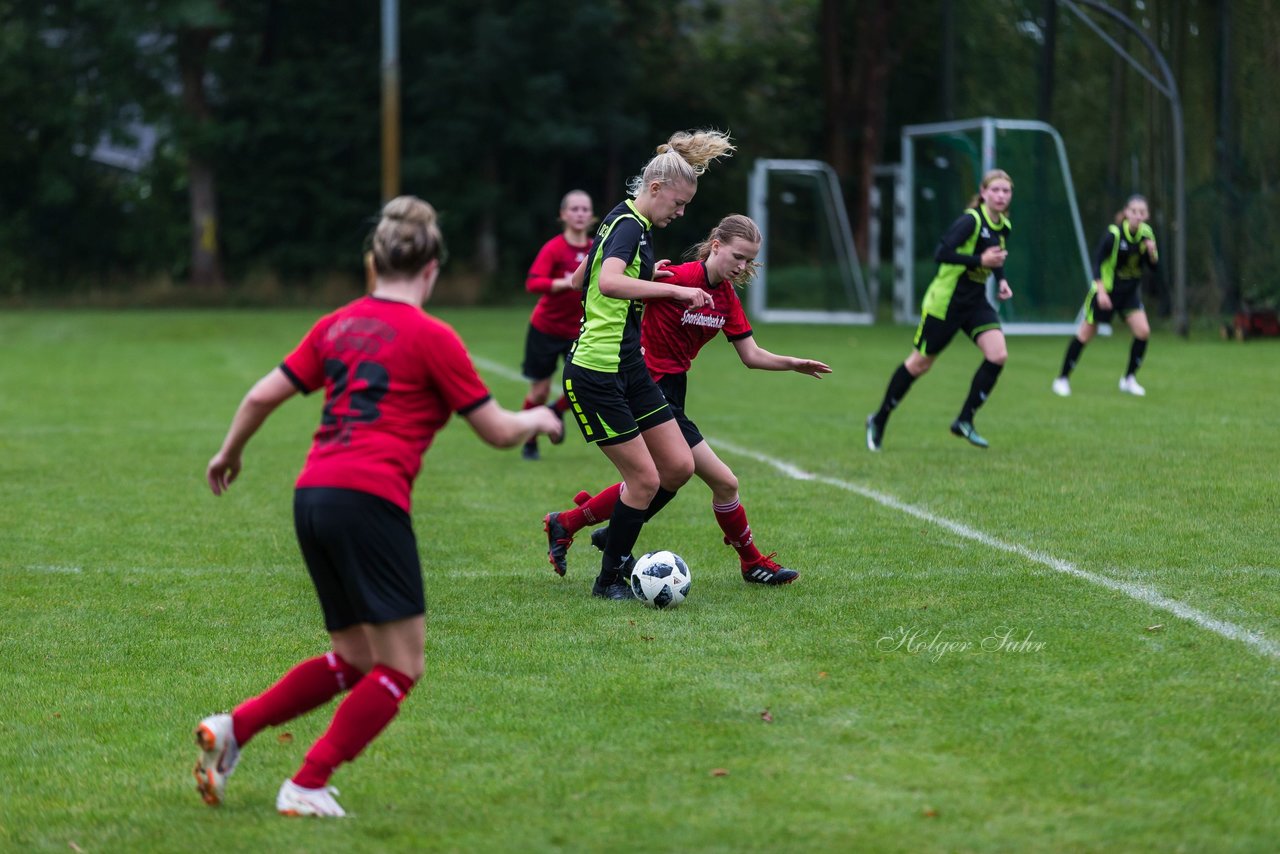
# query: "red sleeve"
{"points": [[541, 272], [304, 366], [736, 325], [454, 374]]}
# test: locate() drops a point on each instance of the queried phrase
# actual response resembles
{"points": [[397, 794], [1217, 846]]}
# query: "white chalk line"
{"points": [[1141, 593], [1138, 592]]}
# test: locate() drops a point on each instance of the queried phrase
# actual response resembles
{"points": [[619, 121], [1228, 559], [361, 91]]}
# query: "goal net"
{"points": [[809, 269], [1048, 264]]}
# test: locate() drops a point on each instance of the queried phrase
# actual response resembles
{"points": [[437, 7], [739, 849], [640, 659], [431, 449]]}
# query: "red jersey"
{"points": [[392, 375], [672, 333], [558, 314]]}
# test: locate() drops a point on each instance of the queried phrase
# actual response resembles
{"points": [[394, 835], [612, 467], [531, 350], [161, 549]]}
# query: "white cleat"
{"points": [[1129, 385], [1062, 387], [295, 800], [219, 754]]}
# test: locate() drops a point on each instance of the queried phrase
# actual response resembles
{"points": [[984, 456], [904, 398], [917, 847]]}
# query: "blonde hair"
{"points": [[732, 227], [987, 179], [682, 158], [406, 238]]}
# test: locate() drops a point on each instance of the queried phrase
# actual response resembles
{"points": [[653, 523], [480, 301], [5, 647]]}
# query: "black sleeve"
{"points": [[960, 231], [623, 240], [1102, 253]]}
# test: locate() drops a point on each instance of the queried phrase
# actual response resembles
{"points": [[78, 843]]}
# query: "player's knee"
{"points": [[677, 473]]}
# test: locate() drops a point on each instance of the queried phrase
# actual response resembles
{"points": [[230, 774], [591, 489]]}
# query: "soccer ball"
{"points": [[660, 579]]}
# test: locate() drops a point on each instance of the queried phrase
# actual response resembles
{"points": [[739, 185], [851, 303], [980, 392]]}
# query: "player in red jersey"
{"points": [[392, 376], [554, 324], [671, 334]]}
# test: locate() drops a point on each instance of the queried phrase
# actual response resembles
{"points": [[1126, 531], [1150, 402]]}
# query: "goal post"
{"points": [[1048, 266], [809, 269]]}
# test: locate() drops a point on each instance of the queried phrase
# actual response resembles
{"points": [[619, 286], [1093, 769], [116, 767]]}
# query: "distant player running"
{"points": [[1122, 253], [972, 250], [392, 376], [671, 336], [554, 324]]}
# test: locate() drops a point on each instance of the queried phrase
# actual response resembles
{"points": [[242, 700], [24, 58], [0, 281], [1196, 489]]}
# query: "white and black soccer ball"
{"points": [[660, 579]]}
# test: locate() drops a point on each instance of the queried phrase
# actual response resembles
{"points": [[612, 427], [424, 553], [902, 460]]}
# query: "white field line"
{"points": [[498, 368], [1139, 592]]}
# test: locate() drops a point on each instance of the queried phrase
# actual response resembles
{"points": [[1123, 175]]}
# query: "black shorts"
{"points": [[674, 387], [362, 556], [610, 408], [975, 316], [542, 353], [1126, 298]]}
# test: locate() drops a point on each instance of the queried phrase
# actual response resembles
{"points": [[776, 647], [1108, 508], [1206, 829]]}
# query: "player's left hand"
{"points": [[1005, 291], [660, 270], [811, 367]]}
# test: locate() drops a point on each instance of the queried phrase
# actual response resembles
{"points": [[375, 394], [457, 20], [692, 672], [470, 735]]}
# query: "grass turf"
{"points": [[897, 719]]}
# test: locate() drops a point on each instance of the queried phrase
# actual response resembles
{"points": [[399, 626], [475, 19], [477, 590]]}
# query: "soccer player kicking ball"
{"points": [[671, 334]]}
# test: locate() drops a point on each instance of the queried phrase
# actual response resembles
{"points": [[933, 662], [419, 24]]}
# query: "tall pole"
{"points": [[390, 99], [1169, 89]]}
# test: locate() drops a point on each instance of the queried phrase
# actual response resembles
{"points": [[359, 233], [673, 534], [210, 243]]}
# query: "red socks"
{"points": [[732, 519], [596, 509], [358, 720], [561, 406], [309, 684]]}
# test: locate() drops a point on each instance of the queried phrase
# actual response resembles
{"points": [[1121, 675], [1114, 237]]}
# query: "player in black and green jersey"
{"points": [[612, 398], [1125, 249], [973, 249]]}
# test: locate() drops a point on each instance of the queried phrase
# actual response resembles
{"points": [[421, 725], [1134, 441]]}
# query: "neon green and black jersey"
{"points": [[961, 275], [610, 336], [1121, 254]]}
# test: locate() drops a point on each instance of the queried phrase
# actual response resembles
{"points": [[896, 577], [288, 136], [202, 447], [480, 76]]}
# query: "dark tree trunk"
{"points": [[875, 61], [206, 265]]}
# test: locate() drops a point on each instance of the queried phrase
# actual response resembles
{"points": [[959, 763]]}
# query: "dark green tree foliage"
{"points": [[73, 74], [297, 151], [506, 105]]}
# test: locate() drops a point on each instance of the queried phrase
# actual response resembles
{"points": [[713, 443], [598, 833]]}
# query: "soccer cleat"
{"points": [[966, 430], [599, 537], [295, 800], [218, 757], [616, 590], [1062, 387], [875, 433], [620, 587], [558, 541], [1129, 385], [529, 451], [767, 571]]}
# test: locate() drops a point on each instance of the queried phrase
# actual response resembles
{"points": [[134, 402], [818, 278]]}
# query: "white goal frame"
{"points": [[850, 270]]}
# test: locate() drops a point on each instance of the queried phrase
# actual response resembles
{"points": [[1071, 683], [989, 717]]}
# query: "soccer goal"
{"points": [[809, 269], [1048, 266]]}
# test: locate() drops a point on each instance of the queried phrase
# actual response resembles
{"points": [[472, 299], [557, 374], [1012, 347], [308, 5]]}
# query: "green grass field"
{"points": [[1125, 549]]}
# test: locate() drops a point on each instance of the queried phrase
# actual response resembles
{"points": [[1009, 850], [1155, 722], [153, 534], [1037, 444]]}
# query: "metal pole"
{"points": [[1170, 90], [390, 99]]}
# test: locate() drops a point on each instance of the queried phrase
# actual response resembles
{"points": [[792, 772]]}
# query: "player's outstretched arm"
{"points": [[266, 394], [503, 428], [756, 357]]}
